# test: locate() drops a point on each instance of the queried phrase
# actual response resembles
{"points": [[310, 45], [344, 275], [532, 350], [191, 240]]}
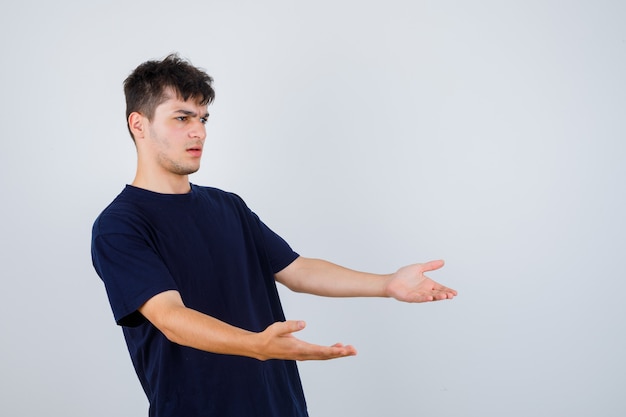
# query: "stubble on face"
{"points": [[176, 167], [167, 162]]}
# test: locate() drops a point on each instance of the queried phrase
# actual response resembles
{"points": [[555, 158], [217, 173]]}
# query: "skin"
{"points": [[169, 148]]}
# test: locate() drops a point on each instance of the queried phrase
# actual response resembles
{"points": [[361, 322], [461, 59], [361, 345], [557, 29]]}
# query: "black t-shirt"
{"points": [[210, 247]]}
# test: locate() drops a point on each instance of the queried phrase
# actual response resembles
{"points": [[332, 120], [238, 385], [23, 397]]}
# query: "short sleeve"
{"points": [[130, 268], [279, 252]]}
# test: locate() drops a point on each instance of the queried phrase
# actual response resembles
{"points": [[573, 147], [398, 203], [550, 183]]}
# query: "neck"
{"points": [[178, 184]]}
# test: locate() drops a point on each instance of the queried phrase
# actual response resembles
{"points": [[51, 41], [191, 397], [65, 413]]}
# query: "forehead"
{"points": [[173, 102]]}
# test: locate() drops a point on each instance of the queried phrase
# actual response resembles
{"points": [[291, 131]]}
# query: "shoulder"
{"points": [[122, 212], [212, 191], [218, 195]]}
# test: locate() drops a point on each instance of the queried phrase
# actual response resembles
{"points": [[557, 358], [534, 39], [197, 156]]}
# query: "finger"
{"points": [[442, 296], [424, 298], [432, 265], [338, 350], [433, 294], [288, 327], [444, 293], [351, 350], [348, 348], [445, 290]]}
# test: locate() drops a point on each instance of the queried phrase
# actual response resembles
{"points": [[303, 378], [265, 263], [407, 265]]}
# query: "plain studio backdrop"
{"points": [[373, 134]]}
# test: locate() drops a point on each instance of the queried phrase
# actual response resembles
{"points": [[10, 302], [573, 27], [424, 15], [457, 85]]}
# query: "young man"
{"points": [[191, 271]]}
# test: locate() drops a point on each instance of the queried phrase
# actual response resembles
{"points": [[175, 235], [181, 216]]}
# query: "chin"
{"points": [[181, 170], [191, 171]]}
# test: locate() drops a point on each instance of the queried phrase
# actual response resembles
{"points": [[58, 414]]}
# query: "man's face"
{"points": [[176, 135]]}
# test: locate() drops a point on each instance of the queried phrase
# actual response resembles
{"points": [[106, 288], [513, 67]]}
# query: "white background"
{"points": [[372, 134]]}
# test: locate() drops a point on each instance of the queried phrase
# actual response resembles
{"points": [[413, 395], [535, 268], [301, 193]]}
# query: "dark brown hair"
{"points": [[145, 88]]}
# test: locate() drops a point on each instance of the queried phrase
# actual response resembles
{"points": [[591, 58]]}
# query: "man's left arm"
{"points": [[408, 284]]}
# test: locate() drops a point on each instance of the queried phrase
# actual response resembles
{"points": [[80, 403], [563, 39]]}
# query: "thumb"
{"points": [[289, 326], [432, 265]]}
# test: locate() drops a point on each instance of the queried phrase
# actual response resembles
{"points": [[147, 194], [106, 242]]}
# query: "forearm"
{"points": [[319, 277], [187, 327], [191, 328]]}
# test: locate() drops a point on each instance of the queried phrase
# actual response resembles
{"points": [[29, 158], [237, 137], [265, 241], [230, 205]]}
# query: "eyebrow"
{"points": [[190, 113]]}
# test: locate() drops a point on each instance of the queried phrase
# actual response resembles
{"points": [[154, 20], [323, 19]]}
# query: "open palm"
{"points": [[409, 284]]}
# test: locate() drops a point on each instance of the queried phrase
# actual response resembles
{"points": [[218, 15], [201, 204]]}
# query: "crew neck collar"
{"points": [[145, 191]]}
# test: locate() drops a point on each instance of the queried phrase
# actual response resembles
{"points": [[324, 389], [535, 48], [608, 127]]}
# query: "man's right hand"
{"points": [[187, 327], [278, 342]]}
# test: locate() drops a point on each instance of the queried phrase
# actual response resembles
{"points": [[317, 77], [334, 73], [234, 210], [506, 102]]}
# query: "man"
{"points": [[191, 271]]}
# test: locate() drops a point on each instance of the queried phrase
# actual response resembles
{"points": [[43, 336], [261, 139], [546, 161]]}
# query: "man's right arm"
{"points": [[188, 327]]}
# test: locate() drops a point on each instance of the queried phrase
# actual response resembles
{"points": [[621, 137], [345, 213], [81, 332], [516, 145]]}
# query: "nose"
{"points": [[197, 130]]}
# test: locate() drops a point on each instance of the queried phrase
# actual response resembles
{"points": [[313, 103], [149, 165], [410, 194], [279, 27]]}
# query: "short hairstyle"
{"points": [[145, 88]]}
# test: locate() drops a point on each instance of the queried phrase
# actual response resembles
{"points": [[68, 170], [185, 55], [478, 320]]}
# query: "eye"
{"points": [[204, 120], [182, 118]]}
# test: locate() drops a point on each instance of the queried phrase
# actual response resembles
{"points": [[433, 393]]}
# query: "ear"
{"points": [[137, 125]]}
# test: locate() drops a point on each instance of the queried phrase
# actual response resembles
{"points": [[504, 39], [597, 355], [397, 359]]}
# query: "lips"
{"points": [[195, 151]]}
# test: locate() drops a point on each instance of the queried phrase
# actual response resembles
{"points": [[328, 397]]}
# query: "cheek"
{"points": [[167, 136], [174, 132]]}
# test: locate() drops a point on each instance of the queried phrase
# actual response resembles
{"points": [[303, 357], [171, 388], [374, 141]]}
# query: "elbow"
{"points": [[170, 335], [167, 312], [168, 325], [291, 284]]}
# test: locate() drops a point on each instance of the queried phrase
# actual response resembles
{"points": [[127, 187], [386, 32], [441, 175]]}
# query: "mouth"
{"points": [[195, 151]]}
